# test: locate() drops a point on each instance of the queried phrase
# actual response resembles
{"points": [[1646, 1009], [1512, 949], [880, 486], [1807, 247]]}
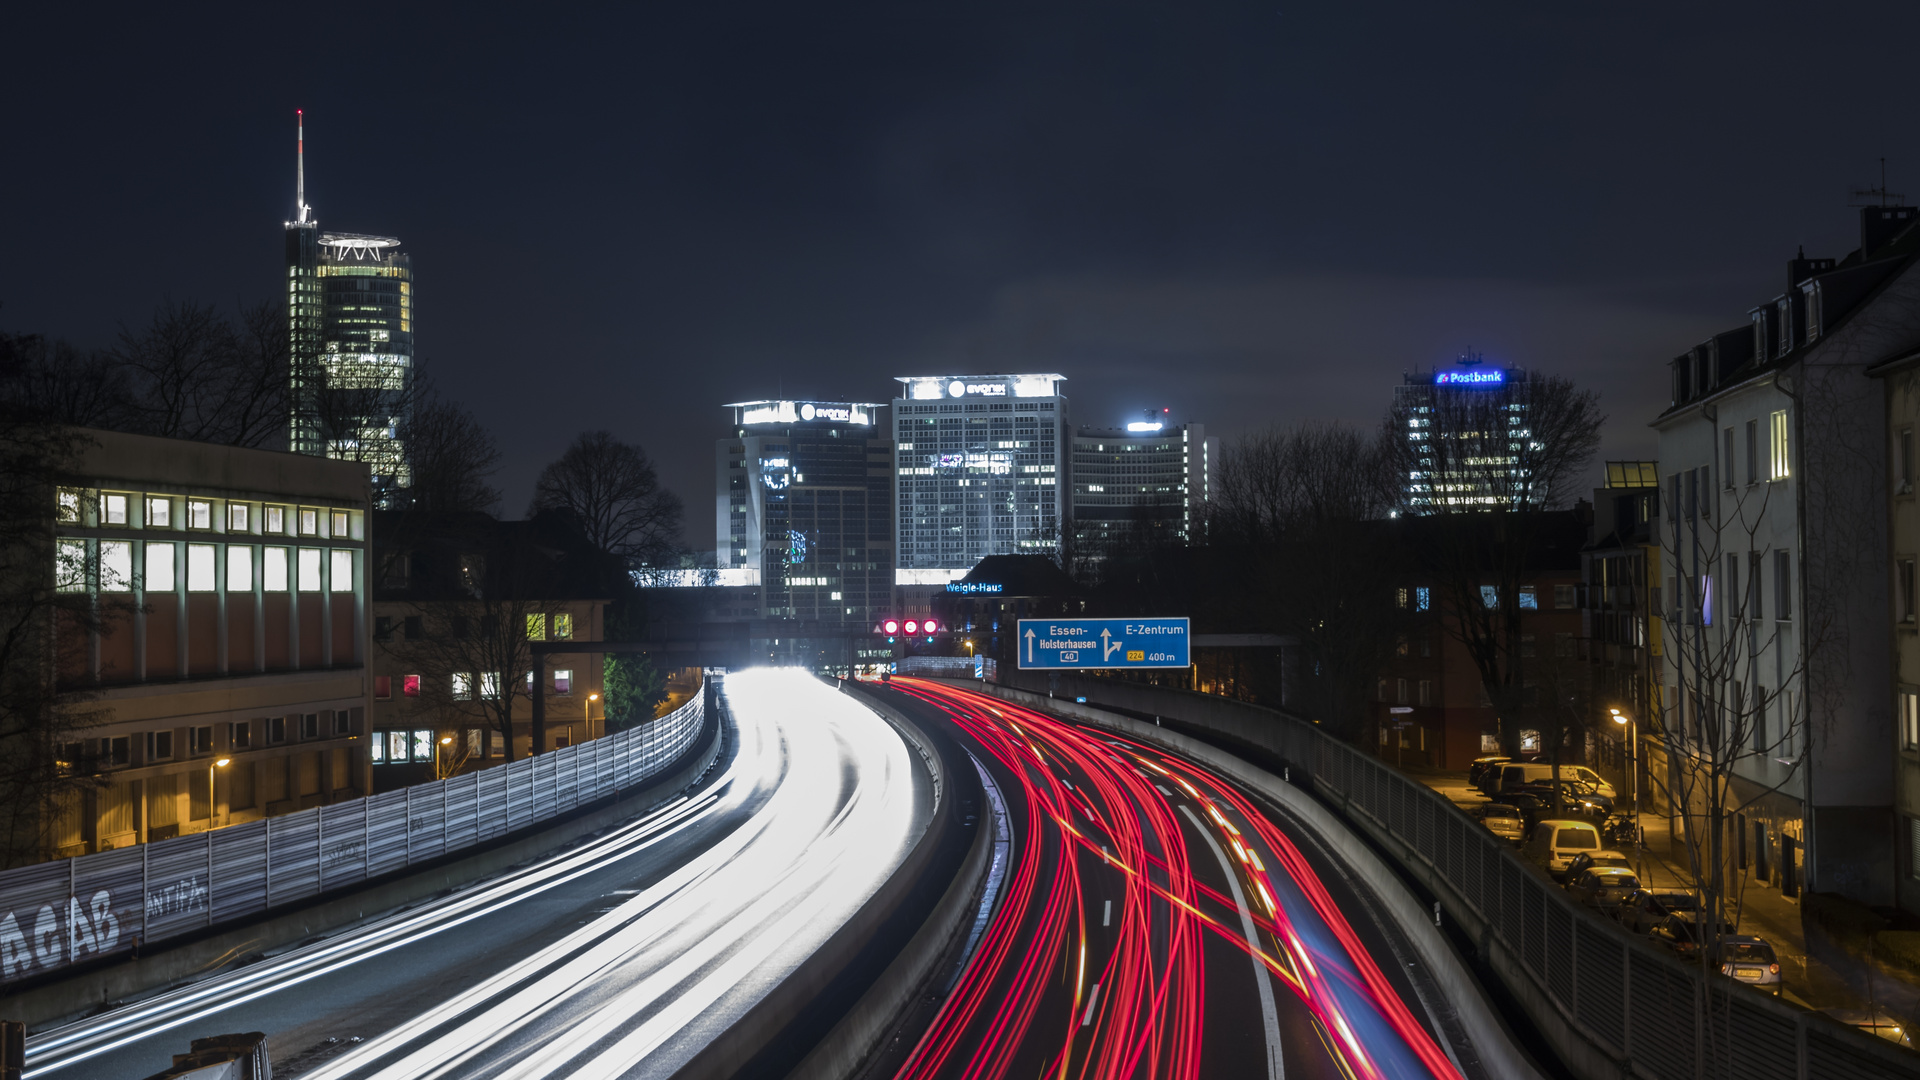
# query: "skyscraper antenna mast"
{"points": [[300, 164]]}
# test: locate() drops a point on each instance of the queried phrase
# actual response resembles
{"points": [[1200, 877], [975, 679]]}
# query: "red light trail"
{"points": [[1047, 993]]}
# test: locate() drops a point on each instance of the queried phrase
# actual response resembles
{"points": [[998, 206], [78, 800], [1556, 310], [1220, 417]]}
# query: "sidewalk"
{"points": [[1762, 911]]}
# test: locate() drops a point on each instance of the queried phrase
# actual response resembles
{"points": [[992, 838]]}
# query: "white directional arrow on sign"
{"points": [[1108, 648], [1029, 646]]}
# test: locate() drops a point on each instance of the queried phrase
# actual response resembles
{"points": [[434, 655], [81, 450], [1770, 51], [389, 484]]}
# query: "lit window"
{"points": [[342, 570], [462, 686], [113, 509], [236, 517], [1400, 597], [276, 519], [200, 566], [1779, 457], [309, 569], [116, 566], [67, 510], [239, 568], [563, 626], [490, 685], [159, 568], [1529, 600], [1422, 598], [70, 566], [473, 742], [339, 523], [537, 627], [159, 512], [383, 687], [396, 746], [199, 514], [410, 685], [1490, 595], [423, 745], [1910, 720], [273, 569], [378, 747], [563, 681], [309, 522]]}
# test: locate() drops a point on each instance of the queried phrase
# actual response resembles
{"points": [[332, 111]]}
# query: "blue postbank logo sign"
{"points": [[1081, 644]]}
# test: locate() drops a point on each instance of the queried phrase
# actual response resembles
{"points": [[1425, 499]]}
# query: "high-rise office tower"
{"points": [[1468, 427], [803, 498], [350, 324], [980, 469], [1147, 484]]}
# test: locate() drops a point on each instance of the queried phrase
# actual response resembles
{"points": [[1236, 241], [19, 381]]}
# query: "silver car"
{"points": [[1504, 822], [1750, 960], [1603, 887]]}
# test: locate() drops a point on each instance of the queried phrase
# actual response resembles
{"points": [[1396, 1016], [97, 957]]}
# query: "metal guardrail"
{"points": [[56, 914], [1631, 1009]]}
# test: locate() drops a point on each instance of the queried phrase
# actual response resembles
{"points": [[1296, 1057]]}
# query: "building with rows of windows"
{"points": [[1148, 484], [226, 678], [980, 469]]}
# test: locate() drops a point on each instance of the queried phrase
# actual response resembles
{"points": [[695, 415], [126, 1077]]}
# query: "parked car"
{"points": [[1577, 799], [1602, 887], [1505, 822], [1590, 860], [1554, 843], [1878, 1022], [1750, 960], [1682, 932], [1477, 768], [1641, 911], [1505, 778]]}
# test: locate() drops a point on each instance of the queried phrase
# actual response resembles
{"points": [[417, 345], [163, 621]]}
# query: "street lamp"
{"points": [[586, 713], [218, 763], [1633, 765], [438, 771]]}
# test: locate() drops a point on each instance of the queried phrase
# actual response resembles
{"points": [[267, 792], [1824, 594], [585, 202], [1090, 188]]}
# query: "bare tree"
{"points": [[195, 374], [1488, 463], [450, 456], [54, 382], [1306, 506], [611, 489]]}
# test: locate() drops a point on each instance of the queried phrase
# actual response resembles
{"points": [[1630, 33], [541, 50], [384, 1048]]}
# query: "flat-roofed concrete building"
{"points": [[234, 583]]}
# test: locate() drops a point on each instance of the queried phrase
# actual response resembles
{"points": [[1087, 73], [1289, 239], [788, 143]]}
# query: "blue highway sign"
{"points": [[1104, 643]]}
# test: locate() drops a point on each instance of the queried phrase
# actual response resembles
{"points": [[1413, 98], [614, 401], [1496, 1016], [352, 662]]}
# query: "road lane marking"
{"points": [[1092, 1000], [1106, 915], [1276, 1066]]}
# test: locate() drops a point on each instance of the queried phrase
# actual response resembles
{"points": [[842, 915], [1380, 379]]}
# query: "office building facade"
{"points": [[980, 469], [350, 336], [1460, 460], [803, 505], [229, 672], [1145, 485]]}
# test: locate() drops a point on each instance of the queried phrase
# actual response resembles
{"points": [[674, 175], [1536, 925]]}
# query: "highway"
{"points": [[626, 955], [1157, 922]]}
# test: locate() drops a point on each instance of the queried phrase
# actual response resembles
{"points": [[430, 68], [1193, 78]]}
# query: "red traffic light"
{"points": [[912, 627], [929, 626], [892, 626]]}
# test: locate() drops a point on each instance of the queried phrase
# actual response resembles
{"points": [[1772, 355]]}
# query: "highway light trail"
{"points": [[815, 811], [1094, 966]]}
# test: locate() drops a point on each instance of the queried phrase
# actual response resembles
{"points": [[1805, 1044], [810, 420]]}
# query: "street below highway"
{"points": [[1157, 921], [625, 955]]}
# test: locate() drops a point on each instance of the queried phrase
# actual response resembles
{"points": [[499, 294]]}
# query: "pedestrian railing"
{"points": [[1613, 1005], [56, 914]]}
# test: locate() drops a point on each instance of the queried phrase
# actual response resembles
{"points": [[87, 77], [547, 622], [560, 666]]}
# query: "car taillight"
{"points": [[1773, 969], [1726, 969]]}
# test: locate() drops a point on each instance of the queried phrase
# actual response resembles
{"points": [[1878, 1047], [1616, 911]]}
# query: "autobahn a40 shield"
{"points": [[1104, 643]]}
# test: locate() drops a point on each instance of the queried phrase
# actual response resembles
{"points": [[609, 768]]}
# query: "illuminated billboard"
{"points": [[751, 413], [1470, 377]]}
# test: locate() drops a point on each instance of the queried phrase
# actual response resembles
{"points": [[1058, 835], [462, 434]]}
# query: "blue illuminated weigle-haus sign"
{"points": [[1475, 377], [973, 587]]}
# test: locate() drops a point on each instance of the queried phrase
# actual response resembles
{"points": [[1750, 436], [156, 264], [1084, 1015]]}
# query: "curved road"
{"points": [[624, 956], [1156, 922]]}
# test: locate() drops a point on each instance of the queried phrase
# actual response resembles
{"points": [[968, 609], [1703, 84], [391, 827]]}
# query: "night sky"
{"points": [[1246, 214]]}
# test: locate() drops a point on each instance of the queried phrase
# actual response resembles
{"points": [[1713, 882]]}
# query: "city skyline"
{"points": [[708, 244]]}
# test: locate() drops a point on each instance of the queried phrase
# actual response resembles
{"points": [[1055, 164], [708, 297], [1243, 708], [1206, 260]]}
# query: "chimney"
{"points": [[1879, 224], [1800, 268]]}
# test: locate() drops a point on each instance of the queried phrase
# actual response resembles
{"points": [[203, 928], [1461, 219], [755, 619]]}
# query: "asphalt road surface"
{"points": [[623, 956], [1157, 921]]}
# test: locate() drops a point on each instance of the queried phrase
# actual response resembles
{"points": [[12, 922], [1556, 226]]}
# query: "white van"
{"points": [[1533, 772], [1556, 841]]}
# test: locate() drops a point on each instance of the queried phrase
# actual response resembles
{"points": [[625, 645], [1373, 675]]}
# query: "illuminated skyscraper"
{"points": [[350, 325], [1468, 427], [980, 470], [1149, 484]]}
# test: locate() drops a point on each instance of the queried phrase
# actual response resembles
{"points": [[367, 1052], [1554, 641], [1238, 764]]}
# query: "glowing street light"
{"points": [[218, 763], [1633, 765]]}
